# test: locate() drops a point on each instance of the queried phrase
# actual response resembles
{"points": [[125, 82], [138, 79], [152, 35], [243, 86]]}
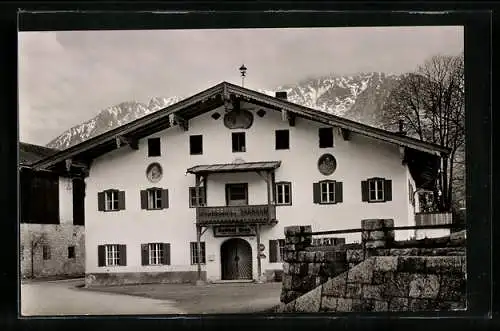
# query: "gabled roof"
{"points": [[30, 153], [208, 100]]}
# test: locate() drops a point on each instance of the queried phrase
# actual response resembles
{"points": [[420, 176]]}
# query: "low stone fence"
{"points": [[307, 267], [390, 283]]}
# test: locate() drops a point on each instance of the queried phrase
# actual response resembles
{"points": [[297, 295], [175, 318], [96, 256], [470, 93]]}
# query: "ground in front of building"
{"points": [[68, 297], [227, 298]]}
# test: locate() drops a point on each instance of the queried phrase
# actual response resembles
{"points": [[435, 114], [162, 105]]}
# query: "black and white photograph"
{"points": [[223, 171]]}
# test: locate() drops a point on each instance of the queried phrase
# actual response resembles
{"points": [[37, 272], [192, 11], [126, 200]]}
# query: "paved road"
{"points": [[65, 298]]}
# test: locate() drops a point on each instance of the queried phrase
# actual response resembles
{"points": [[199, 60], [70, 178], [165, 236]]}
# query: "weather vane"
{"points": [[243, 71]]}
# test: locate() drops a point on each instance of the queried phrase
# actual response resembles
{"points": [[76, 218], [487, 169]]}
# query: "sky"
{"points": [[67, 77]]}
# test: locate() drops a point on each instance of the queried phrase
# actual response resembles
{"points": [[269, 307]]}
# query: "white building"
{"points": [[235, 167]]}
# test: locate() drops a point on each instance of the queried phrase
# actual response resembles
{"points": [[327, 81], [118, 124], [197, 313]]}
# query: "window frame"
{"points": [[114, 193], [155, 254], [277, 190], [238, 136], [114, 249], [150, 141], [321, 135], [155, 196], [280, 254], [329, 201], [276, 134], [377, 190], [46, 252], [74, 252], [192, 141], [194, 252], [197, 196]]}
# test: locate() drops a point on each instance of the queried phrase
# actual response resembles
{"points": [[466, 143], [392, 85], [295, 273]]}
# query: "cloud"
{"points": [[67, 77]]}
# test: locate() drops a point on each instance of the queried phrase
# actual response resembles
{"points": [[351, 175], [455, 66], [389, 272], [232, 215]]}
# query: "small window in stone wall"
{"points": [[22, 253], [71, 252], [46, 252]]}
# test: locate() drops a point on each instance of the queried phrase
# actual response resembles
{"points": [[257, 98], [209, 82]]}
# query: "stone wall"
{"points": [[58, 237], [390, 283], [306, 267]]}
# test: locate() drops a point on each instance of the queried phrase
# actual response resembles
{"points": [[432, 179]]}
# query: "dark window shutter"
{"points": [[121, 200], [144, 254], [166, 253], [101, 256], [364, 190], [338, 192], [273, 249], [164, 198], [144, 199], [123, 255], [100, 201], [388, 190], [316, 193]]}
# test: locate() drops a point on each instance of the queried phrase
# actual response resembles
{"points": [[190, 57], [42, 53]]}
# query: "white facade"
{"points": [[124, 169]]}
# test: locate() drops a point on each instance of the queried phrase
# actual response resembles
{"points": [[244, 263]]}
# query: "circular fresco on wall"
{"points": [[154, 172], [327, 164]]}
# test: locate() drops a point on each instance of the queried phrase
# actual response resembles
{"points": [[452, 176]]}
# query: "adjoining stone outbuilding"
{"points": [[52, 218]]}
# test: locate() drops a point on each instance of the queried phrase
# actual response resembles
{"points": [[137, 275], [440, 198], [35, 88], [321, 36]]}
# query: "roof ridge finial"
{"points": [[243, 71]]}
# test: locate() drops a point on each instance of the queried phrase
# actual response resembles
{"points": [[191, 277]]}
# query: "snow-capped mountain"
{"points": [[359, 97], [108, 119]]}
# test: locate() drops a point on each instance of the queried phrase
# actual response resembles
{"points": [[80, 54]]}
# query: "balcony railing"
{"points": [[433, 218], [256, 214]]}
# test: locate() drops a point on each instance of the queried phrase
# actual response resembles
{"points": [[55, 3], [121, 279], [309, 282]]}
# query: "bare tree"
{"points": [[431, 103]]}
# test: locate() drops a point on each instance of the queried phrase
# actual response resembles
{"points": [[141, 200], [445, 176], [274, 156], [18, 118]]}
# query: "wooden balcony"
{"points": [[256, 214], [433, 218]]}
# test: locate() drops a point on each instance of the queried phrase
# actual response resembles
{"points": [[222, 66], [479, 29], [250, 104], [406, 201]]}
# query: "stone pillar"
{"points": [[296, 239], [295, 266], [377, 233]]}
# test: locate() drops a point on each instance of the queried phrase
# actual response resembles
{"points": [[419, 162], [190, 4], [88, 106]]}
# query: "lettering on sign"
{"points": [[236, 230]]}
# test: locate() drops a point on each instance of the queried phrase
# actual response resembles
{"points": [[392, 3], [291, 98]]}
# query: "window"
{"points": [[196, 145], [111, 255], [154, 199], [111, 200], [155, 254], [46, 252], [194, 253], [197, 197], [327, 192], [276, 250], [325, 137], [237, 194], [283, 193], [71, 252], [22, 252], [282, 139], [154, 147], [376, 190], [238, 141]]}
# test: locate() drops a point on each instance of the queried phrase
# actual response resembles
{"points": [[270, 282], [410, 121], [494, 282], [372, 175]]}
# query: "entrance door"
{"points": [[237, 194], [236, 259]]}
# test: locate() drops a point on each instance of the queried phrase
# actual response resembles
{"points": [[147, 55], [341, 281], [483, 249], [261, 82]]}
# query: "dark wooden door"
{"points": [[237, 194], [236, 259]]}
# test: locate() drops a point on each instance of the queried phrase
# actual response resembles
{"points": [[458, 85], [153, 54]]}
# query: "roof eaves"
{"points": [[127, 128], [341, 122]]}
